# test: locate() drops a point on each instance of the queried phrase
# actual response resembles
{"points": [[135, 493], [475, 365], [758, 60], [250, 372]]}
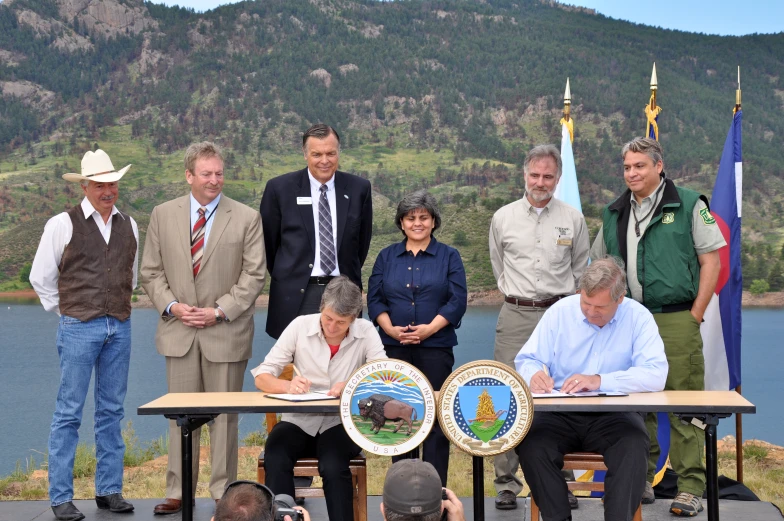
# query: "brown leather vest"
{"points": [[95, 277]]}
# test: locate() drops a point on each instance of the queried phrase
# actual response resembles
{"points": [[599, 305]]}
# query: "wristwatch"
{"points": [[218, 316]]}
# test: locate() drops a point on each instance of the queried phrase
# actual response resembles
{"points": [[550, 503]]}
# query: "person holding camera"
{"points": [[250, 501], [412, 492], [417, 296], [326, 349]]}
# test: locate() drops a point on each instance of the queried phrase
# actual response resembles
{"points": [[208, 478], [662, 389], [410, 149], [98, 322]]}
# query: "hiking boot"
{"points": [[686, 505], [647, 495], [506, 500]]}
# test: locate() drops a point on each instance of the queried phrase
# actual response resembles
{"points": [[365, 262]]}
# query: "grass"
{"points": [[763, 471]]}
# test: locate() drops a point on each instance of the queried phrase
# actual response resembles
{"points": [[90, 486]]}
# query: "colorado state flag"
{"points": [[721, 331]]}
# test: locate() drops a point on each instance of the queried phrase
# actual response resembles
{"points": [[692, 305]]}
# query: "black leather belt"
{"points": [[675, 308], [546, 303], [320, 281]]}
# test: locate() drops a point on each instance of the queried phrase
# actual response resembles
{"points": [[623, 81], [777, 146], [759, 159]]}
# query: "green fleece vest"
{"points": [[667, 266]]}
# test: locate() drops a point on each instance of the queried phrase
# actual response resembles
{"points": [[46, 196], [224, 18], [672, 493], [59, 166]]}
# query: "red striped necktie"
{"points": [[197, 241]]}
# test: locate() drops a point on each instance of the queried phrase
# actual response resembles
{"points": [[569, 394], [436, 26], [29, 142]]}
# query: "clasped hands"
{"points": [[301, 385], [408, 335], [192, 316], [542, 383]]}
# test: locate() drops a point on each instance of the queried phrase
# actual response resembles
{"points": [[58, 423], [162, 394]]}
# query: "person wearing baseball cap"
{"points": [[85, 271], [412, 492]]}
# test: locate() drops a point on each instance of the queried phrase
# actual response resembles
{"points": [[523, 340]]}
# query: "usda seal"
{"points": [[388, 407], [485, 408]]}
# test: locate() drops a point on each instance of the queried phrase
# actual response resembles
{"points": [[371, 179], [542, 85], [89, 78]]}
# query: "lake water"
{"points": [[29, 375]]}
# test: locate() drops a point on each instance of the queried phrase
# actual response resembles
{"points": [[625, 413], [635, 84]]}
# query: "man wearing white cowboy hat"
{"points": [[85, 270]]}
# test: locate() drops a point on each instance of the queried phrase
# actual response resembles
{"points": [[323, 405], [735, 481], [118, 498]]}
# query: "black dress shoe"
{"points": [[506, 500], [67, 512], [114, 503], [572, 500]]}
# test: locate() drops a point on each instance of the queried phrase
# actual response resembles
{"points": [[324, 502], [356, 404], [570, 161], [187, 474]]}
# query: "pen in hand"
{"points": [[300, 384], [550, 381]]}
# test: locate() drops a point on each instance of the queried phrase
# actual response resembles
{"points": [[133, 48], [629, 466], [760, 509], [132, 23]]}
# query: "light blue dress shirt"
{"points": [[627, 352], [207, 215]]}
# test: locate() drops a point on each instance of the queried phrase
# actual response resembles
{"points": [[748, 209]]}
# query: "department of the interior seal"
{"points": [[388, 407], [485, 408]]}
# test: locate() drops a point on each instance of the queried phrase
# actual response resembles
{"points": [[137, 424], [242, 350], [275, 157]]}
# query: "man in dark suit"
{"points": [[317, 225]]}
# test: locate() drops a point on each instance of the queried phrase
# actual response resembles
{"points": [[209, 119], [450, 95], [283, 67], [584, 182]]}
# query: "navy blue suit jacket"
{"points": [[290, 238]]}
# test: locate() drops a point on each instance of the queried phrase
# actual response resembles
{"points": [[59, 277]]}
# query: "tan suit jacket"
{"points": [[231, 276]]}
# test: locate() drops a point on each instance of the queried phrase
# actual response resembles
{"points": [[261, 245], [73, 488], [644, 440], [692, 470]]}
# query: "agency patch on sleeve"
{"points": [[707, 218]]}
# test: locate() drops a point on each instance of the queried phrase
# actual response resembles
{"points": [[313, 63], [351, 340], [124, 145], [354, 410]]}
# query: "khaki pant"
{"points": [[514, 327], [683, 346], [193, 373]]}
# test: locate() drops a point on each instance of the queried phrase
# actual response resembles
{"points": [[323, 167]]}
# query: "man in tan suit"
{"points": [[203, 267]]}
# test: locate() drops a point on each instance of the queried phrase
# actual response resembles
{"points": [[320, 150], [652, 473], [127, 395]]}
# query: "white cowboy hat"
{"points": [[96, 166]]}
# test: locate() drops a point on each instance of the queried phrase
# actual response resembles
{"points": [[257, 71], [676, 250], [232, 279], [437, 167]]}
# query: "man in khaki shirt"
{"points": [[539, 250]]}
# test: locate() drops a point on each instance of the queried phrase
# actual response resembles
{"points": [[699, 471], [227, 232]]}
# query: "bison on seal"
{"points": [[380, 408]]}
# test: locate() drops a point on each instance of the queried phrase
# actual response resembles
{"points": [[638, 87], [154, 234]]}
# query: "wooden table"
{"points": [[192, 410]]}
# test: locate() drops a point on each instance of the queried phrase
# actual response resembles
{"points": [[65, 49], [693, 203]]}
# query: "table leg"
{"points": [[187, 425], [479, 488], [712, 468]]}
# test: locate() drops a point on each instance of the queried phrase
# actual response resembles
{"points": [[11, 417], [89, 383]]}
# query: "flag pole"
{"points": [[738, 417]]}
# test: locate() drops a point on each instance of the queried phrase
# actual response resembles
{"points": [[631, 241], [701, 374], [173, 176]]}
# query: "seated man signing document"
{"points": [[595, 341], [326, 349]]}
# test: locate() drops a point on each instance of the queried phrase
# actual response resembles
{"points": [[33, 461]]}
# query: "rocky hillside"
{"points": [[445, 94]]}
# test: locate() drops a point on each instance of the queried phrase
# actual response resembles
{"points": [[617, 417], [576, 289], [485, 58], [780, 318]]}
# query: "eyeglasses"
{"points": [[264, 489]]}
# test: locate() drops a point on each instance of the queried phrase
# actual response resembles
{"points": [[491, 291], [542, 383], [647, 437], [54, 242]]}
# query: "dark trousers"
{"points": [[436, 364], [311, 302], [620, 437], [334, 449]]}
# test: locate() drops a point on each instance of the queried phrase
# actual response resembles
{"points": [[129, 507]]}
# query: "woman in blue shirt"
{"points": [[417, 296]]}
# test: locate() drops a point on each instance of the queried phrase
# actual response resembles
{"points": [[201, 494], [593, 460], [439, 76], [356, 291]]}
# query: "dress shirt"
{"points": [[315, 195], [45, 272], [538, 255], [627, 353], [209, 210], [211, 206], [413, 289], [706, 237], [303, 344]]}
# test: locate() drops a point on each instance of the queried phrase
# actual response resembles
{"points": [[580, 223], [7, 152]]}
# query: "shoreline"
{"points": [[491, 297]]}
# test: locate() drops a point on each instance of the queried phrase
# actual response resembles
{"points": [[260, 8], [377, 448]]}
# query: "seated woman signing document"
{"points": [[327, 348]]}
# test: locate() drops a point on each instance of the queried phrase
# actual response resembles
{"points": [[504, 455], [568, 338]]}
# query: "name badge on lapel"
{"points": [[304, 200]]}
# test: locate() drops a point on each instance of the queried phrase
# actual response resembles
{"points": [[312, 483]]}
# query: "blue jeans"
{"points": [[104, 344]]}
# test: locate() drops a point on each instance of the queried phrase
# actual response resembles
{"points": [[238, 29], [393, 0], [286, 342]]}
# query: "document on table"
{"points": [[306, 397], [555, 393]]}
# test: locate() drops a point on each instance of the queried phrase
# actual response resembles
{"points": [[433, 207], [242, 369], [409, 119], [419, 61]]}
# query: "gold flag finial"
{"points": [[737, 94], [567, 118], [651, 110]]}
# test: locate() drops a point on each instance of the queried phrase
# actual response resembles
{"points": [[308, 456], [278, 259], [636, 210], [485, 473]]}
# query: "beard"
{"points": [[539, 195]]}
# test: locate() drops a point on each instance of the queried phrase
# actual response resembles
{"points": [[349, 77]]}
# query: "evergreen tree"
{"points": [[776, 277]]}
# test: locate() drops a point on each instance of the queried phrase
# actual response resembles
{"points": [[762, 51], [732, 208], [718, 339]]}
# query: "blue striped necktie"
{"points": [[326, 242]]}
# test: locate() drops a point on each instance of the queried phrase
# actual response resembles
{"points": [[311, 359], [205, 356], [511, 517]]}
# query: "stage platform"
{"points": [[590, 510]]}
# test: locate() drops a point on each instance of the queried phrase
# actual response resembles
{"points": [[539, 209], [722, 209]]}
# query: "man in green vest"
{"points": [[669, 241]]}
